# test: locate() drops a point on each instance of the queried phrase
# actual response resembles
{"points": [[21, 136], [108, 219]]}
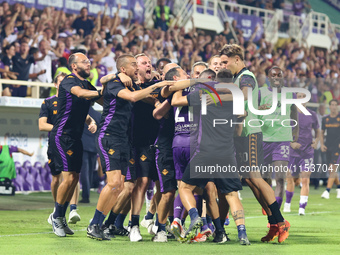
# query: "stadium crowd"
{"points": [[46, 39]]}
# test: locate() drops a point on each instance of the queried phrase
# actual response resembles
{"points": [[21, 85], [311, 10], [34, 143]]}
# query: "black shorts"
{"points": [[166, 170], [67, 153], [249, 151], [51, 162], [333, 156], [226, 181], [131, 174], [145, 162], [114, 154]]}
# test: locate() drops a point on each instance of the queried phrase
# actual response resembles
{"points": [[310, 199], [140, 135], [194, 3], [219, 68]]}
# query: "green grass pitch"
{"points": [[24, 230]]}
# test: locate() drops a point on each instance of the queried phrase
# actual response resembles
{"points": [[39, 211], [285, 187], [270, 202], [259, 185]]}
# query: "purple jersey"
{"points": [[102, 71], [306, 124], [186, 122], [11, 149]]}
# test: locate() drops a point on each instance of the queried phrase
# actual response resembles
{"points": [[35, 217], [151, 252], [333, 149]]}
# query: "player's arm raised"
{"points": [[85, 93], [25, 152], [179, 100], [134, 96]]}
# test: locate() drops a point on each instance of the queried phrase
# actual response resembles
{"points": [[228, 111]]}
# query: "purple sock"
{"points": [[303, 205], [178, 207], [279, 201], [303, 201], [289, 196], [198, 199]]}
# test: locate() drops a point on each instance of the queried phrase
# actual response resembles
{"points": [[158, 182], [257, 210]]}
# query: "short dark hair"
{"points": [[7, 47], [208, 74], [33, 50], [224, 75], [169, 76], [232, 50], [92, 52], [121, 61], [62, 61], [162, 59], [333, 100]]}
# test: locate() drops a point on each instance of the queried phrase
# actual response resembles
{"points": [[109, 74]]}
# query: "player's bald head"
{"points": [[74, 58]]}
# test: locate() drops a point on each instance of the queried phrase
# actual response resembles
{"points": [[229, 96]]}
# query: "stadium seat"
{"points": [[38, 165], [17, 164], [47, 167], [19, 183], [47, 181], [27, 164], [22, 171], [29, 184], [38, 186]]}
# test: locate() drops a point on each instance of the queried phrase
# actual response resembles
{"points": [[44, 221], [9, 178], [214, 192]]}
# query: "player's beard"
{"points": [[83, 73]]}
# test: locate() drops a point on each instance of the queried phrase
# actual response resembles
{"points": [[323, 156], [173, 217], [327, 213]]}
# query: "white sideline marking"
{"points": [[252, 217]]}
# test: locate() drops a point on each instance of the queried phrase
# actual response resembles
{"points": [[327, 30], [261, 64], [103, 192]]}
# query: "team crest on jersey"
{"points": [[327, 119], [69, 152], [55, 112], [55, 103], [165, 172], [132, 161], [143, 157], [111, 152], [337, 119]]}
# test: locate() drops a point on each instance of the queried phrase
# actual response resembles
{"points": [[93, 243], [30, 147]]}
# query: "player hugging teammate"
{"points": [[134, 148]]}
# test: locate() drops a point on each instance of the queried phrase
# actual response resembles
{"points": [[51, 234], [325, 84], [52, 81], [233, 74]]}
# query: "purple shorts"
{"points": [[275, 151], [301, 164], [181, 159]]}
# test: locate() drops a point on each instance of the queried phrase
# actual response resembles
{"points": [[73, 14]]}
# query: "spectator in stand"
{"points": [[44, 64], [161, 15], [9, 52], [68, 46], [83, 24], [21, 64]]}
